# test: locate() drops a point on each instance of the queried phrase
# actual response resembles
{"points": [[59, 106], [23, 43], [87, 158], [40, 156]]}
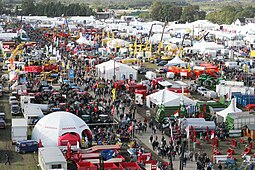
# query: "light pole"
{"points": [[114, 72]]}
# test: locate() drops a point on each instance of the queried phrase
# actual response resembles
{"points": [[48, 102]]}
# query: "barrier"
{"points": [[233, 143], [219, 158], [231, 151], [215, 142], [85, 166], [216, 151], [246, 151]]}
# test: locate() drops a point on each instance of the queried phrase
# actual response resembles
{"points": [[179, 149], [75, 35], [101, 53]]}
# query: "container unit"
{"points": [[86, 166], [19, 130], [237, 120], [130, 166], [51, 158], [248, 100]]}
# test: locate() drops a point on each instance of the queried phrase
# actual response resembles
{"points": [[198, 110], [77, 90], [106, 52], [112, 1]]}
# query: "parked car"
{"points": [[156, 60], [162, 63], [11, 99], [2, 124], [15, 109], [210, 94], [160, 70], [142, 70], [201, 90], [2, 115]]}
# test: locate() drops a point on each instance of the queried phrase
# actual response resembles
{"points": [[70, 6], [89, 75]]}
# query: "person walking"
{"points": [[7, 159]]}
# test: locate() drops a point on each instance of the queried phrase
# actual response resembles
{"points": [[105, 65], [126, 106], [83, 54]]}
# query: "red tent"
{"points": [[68, 137]]}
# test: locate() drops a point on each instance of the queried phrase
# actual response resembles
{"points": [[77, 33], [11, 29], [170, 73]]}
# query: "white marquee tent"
{"points": [[176, 60], [167, 98], [222, 115], [106, 70], [52, 126], [83, 40]]}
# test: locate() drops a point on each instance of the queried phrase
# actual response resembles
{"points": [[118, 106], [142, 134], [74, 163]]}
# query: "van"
{"points": [[26, 146], [231, 64], [15, 109], [129, 60], [210, 94]]}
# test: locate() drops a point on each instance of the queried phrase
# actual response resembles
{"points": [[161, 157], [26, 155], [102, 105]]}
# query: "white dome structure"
{"points": [[52, 126]]}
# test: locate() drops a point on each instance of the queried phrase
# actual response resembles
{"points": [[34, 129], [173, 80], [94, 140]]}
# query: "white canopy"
{"points": [[117, 43], [168, 98], [83, 40], [203, 45], [222, 115], [54, 125], [176, 60], [106, 70]]}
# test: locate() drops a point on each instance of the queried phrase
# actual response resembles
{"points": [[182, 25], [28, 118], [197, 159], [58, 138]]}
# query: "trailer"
{"points": [[32, 113], [229, 87], [19, 130], [237, 120], [29, 100], [51, 158], [198, 124]]}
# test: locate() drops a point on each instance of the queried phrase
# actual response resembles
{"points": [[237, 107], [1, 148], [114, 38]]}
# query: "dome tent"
{"points": [[52, 126]]}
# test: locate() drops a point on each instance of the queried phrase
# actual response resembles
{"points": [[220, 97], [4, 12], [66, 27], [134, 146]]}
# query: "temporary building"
{"points": [[51, 158], [203, 46], [83, 40], [122, 71], [56, 124], [222, 115], [114, 43], [68, 137], [168, 98], [176, 61]]}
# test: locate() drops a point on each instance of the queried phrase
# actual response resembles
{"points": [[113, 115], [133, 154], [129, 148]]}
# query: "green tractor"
{"points": [[208, 81]]}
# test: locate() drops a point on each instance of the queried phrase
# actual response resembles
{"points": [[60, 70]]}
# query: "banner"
{"points": [[113, 94], [71, 74]]}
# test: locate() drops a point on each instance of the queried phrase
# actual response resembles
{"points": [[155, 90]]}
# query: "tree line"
{"points": [[228, 14], [172, 12], [52, 9]]}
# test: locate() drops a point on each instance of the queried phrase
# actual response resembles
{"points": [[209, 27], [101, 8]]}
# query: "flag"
{"points": [[182, 110], [113, 94], [135, 45], [130, 128], [176, 113], [102, 34], [112, 110], [171, 131]]}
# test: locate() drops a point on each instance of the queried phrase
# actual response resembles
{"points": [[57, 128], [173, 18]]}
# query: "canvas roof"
{"points": [[169, 98], [230, 109]]}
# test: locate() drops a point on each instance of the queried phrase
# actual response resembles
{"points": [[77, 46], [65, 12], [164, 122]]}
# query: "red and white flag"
{"points": [[112, 110]]}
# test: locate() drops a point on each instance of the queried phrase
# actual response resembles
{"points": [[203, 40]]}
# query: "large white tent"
{"points": [[168, 98], [83, 40], [113, 43], [222, 115], [176, 60], [203, 46], [52, 126], [106, 70]]}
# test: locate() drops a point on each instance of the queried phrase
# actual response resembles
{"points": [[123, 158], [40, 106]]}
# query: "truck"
{"points": [[150, 75], [19, 130], [32, 113], [1, 90], [30, 100], [199, 124]]}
